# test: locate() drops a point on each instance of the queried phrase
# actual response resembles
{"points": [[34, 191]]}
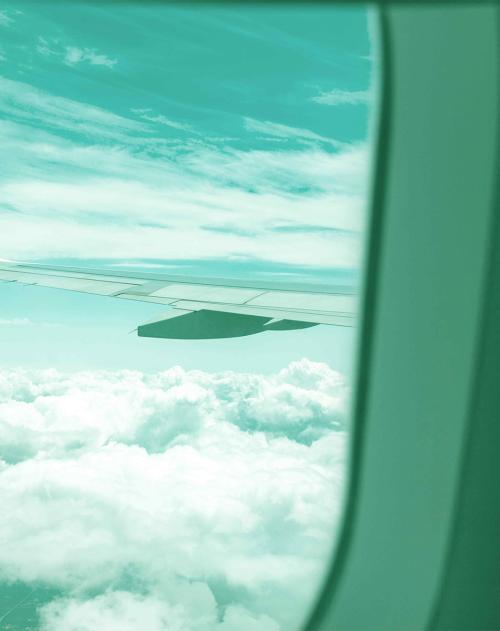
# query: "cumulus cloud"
{"points": [[123, 611], [51, 411], [113, 611], [175, 500]]}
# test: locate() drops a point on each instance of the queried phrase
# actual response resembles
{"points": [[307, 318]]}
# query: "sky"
{"points": [[168, 484]]}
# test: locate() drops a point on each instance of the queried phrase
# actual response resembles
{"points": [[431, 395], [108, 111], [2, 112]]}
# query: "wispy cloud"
{"points": [[146, 114], [22, 101], [116, 188], [144, 265], [43, 47], [16, 322], [5, 18], [284, 131], [24, 322], [343, 97]]}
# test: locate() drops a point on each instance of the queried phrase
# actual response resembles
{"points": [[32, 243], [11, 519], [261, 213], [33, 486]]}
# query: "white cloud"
{"points": [[25, 322], [123, 611], [44, 48], [146, 114], [74, 55], [117, 188], [16, 322], [137, 207], [343, 97], [303, 402], [185, 499], [21, 101], [5, 18], [113, 611], [284, 131]]}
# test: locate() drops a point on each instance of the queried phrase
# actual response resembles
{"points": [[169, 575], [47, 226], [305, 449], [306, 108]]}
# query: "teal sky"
{"points": [[204, 67], [226, 141]]}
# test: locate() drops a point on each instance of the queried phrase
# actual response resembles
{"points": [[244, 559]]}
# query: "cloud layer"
{"points": [[177, 500], [84, 182]]}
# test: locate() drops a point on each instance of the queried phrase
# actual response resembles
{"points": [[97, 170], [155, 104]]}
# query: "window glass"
{"points": [[166, 484]]}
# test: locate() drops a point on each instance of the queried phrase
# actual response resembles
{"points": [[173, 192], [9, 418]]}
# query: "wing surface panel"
{"points": [[211, 293], [85, 285]]}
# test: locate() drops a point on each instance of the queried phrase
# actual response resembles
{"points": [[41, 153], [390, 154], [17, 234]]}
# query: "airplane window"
{"points": [[183, 197]]}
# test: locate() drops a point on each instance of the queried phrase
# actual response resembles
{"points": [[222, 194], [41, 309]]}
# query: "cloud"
{"points": [[27, 106], [85, 182], [145, 114], [186, 499], [113, 611], [5, 18], [343, 97], [25, 322], [48, 411], [123, 611], [16, 322], [107, 202], [73, 55], [44, 48], [284, 131]]}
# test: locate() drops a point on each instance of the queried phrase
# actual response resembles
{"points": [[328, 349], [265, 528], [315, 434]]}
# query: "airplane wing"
{"points": [[201, 308]]}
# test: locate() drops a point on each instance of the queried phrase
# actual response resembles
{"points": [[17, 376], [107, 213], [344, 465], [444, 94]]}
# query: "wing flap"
{"points": [[207, 293], [205, 324]]}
